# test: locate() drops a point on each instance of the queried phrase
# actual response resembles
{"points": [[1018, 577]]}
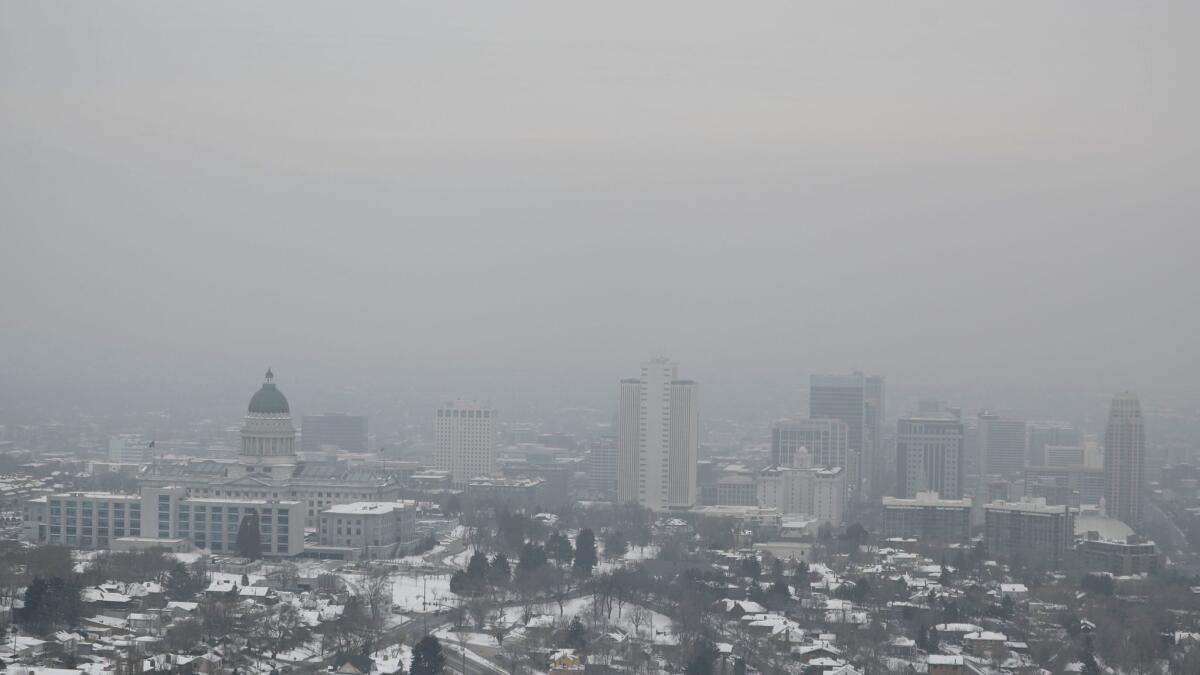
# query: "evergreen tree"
{"points": [[533, 560], [800, 577], [779, 588], [576, 635], [615, 544], [704, 659], [249, 538], [37, 605], [585, 552], [750, 567], [427, 657], [72, 602], [558, 547], [477, 569], [499, 572], [179, 585]]}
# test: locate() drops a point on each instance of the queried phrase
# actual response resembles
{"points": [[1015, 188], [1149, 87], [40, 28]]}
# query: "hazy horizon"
{"points": [[524, 201]]}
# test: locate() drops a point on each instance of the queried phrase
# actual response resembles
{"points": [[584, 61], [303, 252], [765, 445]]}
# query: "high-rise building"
{"points": [[336, 430], [873, 433], [1124, 458], [826, 439], [1042, 434], [602, 469], [857, 400], [1001, 444], [658, 438], [465, 440], [929, 456]]}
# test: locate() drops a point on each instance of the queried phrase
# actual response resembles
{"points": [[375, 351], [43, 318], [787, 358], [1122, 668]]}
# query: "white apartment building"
{"points": [[829, 495], [464, 436], [658, 438], [1125, 459]]}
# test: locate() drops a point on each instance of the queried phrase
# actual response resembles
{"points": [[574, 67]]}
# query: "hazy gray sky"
{"points": [[457, 194]]}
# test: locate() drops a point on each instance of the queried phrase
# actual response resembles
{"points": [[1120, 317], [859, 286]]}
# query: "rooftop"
{"points": [[367, 508]]}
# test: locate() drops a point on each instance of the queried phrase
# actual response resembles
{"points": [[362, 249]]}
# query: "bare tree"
{"points": [[377, 595], [280, 630], [638, 616]]}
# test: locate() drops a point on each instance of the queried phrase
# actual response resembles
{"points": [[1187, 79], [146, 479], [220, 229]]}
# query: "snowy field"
{"points": [[655, 624], [409, 591]]}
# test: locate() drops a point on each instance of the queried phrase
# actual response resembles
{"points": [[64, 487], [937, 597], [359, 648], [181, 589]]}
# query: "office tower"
{"points": [[826, 440], [337, 430], [602, 469], [1063, 455], [873, 432], [1001, 444], [658, 438], [857, 400], [929, 456], [1029, 532], [1042, 434], [464, 436], [1124, 458], [1073, 485]]}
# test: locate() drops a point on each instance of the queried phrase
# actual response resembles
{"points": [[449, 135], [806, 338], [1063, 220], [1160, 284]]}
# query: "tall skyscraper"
{"points": [[1001, 444], [1124, 458], [464, 435], [658, 438], [857, 400], [826, 439], [929, 456], [338, 430]]}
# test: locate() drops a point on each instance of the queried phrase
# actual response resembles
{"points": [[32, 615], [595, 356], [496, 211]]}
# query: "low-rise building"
{"points": [[928, 518], [513, 493], [96, 520], [376, 529], [1029, 532], [1133, 556]]}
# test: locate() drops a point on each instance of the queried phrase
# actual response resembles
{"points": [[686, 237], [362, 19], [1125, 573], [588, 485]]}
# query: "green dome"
{"points": [[269, 400]]}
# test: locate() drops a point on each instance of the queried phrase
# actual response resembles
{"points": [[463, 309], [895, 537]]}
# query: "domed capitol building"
{"points": [[269, 468]]}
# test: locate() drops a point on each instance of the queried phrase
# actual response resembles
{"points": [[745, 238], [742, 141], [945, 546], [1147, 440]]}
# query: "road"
{"points": [[469, 665], [1178, 549]]}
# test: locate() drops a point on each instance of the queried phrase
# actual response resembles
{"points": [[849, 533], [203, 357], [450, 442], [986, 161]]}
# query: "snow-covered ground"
{"points": [[655, 624], [459, 560], [469, 637], [390, 659], [634, 555], [408, 592]]}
